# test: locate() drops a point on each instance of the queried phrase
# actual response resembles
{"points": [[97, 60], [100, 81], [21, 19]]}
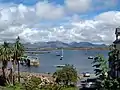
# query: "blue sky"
{"points": [[63, 20], [98, 5]]}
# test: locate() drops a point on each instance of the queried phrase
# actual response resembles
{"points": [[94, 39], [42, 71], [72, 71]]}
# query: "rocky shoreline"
{"points": [[49, 76]]}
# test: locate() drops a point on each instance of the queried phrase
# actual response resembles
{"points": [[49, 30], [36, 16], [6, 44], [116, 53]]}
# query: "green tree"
{"points": [[114, 62], [18, 52], [101, 70], [103, 67], [5, 55], [67, 75]]}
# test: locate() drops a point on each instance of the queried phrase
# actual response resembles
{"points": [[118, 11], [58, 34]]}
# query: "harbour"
{"points": [[78, 58]]}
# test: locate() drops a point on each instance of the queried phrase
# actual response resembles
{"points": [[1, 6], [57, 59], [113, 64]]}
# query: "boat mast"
{"points": [[62, 52]]}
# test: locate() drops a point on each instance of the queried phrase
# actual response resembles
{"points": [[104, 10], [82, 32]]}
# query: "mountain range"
{"points": [[59, 44]]}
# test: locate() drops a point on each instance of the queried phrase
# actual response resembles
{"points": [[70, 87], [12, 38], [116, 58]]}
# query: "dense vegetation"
{"points": [[12, 54], [105, 70], [65, 81]]}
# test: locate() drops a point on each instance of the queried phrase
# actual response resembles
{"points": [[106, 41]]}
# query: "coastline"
{"points": [[76, 48], [49, 76], [46, 50]]}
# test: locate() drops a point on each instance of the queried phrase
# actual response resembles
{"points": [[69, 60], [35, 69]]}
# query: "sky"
{"points": [[59, 20]]}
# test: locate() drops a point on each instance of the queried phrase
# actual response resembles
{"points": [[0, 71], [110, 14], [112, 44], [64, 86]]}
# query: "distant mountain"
{"points": [[86, 44], [51, 44], [59, 44]]}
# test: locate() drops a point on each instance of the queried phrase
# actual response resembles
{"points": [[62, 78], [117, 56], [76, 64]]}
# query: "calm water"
{"points": [[78, 58]]}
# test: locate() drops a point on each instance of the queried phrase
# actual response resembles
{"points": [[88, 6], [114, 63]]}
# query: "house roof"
{"points": [[117, 41]]}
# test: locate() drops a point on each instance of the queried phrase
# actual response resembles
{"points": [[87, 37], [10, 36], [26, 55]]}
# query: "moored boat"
{"points": [[29, 61], [59, 66], [34, 62], [90, 57]]}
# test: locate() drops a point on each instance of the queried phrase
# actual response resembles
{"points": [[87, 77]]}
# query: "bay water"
{"points": [[78, 58]]}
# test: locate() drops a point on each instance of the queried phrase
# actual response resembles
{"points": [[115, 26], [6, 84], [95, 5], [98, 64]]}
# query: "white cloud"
{"points": [[78, 6], [26, 22], [49, 11]]}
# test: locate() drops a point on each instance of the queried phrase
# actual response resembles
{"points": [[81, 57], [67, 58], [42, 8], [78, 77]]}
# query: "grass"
{"points": [[71, 88]]}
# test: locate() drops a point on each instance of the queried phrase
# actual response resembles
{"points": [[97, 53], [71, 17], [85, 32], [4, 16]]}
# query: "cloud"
{"points": [[78, 6], [31, 23], [99, 29], [47, 11]]}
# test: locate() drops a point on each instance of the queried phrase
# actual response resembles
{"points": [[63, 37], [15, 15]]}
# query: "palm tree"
{"points": [[5, 54], [18, 51]]}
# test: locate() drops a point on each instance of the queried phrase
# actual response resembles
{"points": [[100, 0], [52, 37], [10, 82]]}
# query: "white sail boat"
{"points": [[61, 55]]}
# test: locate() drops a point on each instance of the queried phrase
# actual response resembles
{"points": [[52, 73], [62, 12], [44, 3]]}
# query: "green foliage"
{"points": [[52, 87], [101, 66], [57, 87], [33, 83], [18, 52], [17, 86], [105, 80], [5, 53], [18, 49], [66, 75], [101, 70]]}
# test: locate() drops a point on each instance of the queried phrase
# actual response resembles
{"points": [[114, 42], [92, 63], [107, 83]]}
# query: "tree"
{"points": [[101, 66], [67, 75], [101, 70], [18, 52], [5, 55], [106, 81], [114, 62]]}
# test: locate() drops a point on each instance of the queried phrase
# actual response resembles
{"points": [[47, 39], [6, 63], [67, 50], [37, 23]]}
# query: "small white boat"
{"points": [[87, 74], [59, 66], [34, 62], [90, 57]]}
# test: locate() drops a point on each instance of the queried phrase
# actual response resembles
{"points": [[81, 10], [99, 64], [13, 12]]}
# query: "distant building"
{"points": [[115, 65]]}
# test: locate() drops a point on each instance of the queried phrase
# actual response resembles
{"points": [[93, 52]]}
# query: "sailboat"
{"points": [[61, 57], [86, 51], [90, 57]]}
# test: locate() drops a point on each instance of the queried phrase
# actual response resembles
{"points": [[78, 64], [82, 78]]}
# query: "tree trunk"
{"points": [[13, 76], [4, 65], [3, 71], [18, 71]]}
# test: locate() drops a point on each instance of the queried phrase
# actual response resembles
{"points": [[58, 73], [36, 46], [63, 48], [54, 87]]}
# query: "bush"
{"points": [[66, 76], [32, 83]]}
